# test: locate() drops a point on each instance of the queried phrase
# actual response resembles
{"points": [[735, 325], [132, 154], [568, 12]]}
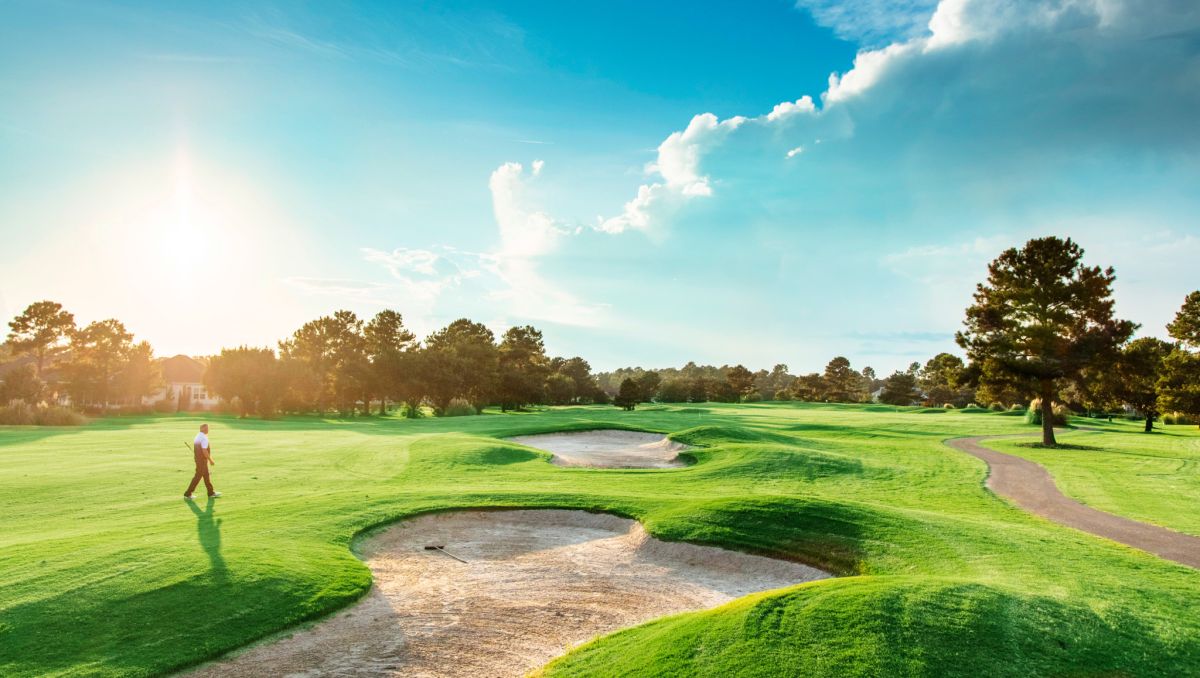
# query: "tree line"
{"points": [[94, 365], [1041, 329], [345, 364]]}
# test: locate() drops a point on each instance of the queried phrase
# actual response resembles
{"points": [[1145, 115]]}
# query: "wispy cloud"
{"points": [[871, 22]]}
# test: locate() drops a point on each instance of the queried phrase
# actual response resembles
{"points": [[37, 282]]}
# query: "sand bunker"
{"points": [[536, 584], [608, 448]]}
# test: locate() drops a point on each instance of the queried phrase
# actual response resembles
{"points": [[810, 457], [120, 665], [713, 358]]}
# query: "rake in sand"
{"points": [[439, 547]]}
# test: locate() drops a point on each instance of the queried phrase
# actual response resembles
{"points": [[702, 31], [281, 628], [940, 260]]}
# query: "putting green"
{"points": [[105, 571]]}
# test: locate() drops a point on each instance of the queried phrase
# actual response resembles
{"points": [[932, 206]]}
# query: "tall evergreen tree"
{"points": [[99, 352], [840, 381], [1186, 325], [1137, 372], [460, 361], [1044, 316], [41, 330], [523, 367], [389, 347]]}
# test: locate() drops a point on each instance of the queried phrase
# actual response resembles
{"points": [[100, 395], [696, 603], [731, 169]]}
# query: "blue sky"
{"points": [[649, 183]]}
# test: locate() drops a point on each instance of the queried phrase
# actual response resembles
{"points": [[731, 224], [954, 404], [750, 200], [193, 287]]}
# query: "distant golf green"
{"points": [[105, 571]]}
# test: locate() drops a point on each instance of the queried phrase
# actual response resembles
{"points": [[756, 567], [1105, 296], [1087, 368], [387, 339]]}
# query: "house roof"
{"points": [[182, 369]]}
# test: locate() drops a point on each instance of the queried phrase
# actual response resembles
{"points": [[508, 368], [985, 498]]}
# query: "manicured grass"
{"points": [[1152, 477], [105, 571]]}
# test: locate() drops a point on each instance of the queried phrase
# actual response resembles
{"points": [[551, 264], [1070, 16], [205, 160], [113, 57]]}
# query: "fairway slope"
{"points": [[535, 583]]}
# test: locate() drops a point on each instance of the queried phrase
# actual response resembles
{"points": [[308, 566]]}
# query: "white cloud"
{"points": [[795, 151], [506, 282], [991, 83], [871, 22], [788, 108], [525, 231]]}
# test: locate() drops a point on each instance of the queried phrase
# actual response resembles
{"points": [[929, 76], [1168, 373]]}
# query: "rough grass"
{"points": [[104, 571]]}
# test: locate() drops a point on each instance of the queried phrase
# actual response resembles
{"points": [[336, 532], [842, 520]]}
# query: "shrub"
{"points": [[1178, 419], [56, 415], [752, 397], [459, 407], [1016, 407], [17, 413], [20, 413], [948, 406], [232, 405], [783, 394], [1033, 415], [996, 407], [165, 406]]}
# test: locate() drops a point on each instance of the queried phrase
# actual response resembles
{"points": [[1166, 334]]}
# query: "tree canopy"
{"points": [[1043, 315]]}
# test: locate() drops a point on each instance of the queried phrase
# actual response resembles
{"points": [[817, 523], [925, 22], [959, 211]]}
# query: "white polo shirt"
{"points": [[201, 440]]}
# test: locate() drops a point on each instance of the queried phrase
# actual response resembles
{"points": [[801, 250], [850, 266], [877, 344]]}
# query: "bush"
{"points": [[752, 397], [56, 415], [165, 406], [1033, 415], [783, 394], [459, 407], [948, 406], [20, 413], [1179, 419], [232, 405], [1016, 407], [996, 407], [17, 413]]}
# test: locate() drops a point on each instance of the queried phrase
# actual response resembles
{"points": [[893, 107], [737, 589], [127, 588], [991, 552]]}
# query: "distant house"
{"points": [[183, 379]]}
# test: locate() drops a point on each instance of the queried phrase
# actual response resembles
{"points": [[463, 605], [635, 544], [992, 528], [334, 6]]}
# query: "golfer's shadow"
{"points": [[208, 528]]}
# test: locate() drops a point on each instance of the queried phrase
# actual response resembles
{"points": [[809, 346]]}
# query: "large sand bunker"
{"points": [[536, 584], [608, 448]]}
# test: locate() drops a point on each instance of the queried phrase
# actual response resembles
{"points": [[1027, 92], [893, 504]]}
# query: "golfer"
{"points": [[203, 454]]}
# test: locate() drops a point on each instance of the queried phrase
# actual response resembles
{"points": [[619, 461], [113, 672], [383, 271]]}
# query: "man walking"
{"points": [[203, 454]]}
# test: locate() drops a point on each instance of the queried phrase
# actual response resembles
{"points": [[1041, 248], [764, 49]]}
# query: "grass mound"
{"points": [[825, 534], [897, 626]]}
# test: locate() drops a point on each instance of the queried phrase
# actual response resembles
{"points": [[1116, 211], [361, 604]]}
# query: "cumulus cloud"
{"points": [[989, 85], [525, 231], [998, 121], [678, 165], [505, 282]]}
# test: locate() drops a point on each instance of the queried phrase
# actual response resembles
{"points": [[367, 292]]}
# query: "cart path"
{"points": [[1030, 486]]}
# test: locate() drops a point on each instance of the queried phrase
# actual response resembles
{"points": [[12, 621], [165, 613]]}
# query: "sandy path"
{"points": [[538, 582], [608, 448], [1030, 486]]}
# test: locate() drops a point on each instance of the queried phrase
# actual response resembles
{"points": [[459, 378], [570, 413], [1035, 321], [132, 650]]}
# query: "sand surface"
{"points": [[608, 448], [537, 583]]}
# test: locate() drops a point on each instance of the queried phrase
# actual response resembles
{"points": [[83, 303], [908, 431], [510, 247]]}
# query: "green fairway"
{"points": [[1152, 477], [104, 570]]}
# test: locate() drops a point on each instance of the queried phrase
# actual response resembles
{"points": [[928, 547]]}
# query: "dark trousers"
{"points": [[201, 472]]}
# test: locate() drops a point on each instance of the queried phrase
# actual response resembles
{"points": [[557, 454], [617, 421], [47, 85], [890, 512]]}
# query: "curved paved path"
{"points": [[1031, 487]]}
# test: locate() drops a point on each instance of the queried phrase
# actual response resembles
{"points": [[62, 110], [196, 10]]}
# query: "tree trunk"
{"points": [[1149, 422], [382, 406], [1048, 414]]}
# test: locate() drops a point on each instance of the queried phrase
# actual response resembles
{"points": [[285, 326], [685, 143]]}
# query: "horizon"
{"points": [[811, 182]]}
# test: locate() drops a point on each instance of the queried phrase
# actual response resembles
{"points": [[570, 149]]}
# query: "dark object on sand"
{"points": [[439, 547]]}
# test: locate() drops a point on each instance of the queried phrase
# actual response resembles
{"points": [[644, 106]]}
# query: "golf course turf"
{"points": [[104, 570]]}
